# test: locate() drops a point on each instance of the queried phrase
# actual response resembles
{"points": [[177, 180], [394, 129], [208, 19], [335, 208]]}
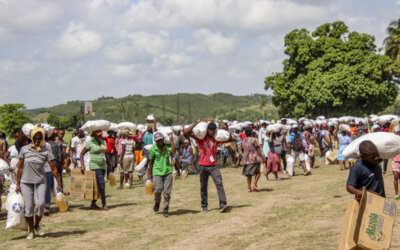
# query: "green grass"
{"points": [[295, 213]]}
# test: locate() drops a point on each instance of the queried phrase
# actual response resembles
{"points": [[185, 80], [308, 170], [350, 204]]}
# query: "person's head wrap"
{"points": [[42, 142]]}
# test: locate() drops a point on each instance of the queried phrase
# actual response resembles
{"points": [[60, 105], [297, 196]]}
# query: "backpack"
{"points": [[297, 143], [55, 150]]}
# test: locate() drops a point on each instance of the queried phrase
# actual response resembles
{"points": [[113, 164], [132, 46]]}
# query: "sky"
{"points": [[52, 52]]}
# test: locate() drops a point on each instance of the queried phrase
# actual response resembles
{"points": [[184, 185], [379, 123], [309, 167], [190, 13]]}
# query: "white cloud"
{"points": [[138, 47], [76, 42], [29, 16], [159, 45], [215, 43]]}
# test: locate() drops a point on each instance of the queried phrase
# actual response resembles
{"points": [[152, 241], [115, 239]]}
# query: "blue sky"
{"points": [[52, 52]]}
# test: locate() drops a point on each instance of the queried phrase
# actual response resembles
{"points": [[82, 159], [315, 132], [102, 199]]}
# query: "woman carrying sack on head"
{"points": [[98, 163], [252, 157], [31, 180]]}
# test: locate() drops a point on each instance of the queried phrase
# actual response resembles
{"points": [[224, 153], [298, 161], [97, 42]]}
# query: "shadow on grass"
{"points": [[184, 211], [54, 235], [265, 190], [229, 209], [109, 206]]}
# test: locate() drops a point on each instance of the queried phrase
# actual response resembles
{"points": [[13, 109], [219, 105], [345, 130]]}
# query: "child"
{"points": [[344, 140], [311, 150], [366, 172]]}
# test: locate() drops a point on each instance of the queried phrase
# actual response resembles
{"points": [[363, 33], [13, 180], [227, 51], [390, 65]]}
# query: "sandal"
{"points": [[256, 189]]}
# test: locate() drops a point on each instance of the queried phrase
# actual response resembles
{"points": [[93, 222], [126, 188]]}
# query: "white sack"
{"points": [[344, 127], [27, 129], [388, 145], [148, 147], [150, 117], [200, 130], [327, 162], [165, 131], [114, 127], [4, 167], [141, 165], [127, 125], [307, 160], [386, 119], [94, 125], [221, 135], [290, 165], [273, 128]]}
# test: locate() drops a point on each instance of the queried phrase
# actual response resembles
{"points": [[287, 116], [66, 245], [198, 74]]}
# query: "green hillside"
{"points": [[136, 108]]}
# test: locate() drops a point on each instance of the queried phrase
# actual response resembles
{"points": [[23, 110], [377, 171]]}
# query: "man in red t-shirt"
{"points": [[111, 152], [208, 166]]}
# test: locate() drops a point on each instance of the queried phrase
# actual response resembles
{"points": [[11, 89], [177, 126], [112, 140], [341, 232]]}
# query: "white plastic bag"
{"points": [[386, 119], [150, 117], [165, 131], [27, 129], [47, 128], [141, 165], [4, 167], [15, 212], [290, 165], [200, 130], [114, 127], [388, 145], [307, 160], [94, 125], [273, 128], [221, 135], [127, 125], [327, 162]]}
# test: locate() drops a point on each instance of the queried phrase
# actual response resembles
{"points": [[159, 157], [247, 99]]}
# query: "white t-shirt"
{"points": [[78, 144], [128, 148]]}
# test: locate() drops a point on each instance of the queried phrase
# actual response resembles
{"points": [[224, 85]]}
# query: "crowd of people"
{"points": [[260, 148]]}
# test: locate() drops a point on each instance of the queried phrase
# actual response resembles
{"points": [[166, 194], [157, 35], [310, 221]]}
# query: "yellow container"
{"points": [[62, 201], [149, 187], [111, 177]]}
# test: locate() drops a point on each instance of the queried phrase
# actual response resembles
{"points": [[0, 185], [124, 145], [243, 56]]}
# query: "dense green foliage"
{"points": [[134, 108], [332, 72], [11, 117]]}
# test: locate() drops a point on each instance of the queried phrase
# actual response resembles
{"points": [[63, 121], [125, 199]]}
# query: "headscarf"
{"points": [[42, 142]]}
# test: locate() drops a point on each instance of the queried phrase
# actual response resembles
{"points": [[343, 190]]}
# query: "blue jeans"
{"points": [[49, 186], [102, 185]]}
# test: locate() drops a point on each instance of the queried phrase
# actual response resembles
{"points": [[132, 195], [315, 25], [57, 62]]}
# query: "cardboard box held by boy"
{"points": [[368, 224]]}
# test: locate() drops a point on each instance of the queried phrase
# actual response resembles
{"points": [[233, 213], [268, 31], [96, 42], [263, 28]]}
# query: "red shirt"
{"points": [[110, 145], [207, 151], [242, 136]]}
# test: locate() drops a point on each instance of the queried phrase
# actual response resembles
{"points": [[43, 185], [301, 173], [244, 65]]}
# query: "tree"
{"points": [[392, 42], [332, 72], [53, 120], [121, 108], [11, 117]]}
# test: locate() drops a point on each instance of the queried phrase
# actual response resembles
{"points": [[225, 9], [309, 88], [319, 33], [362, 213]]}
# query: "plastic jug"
{"points": [[62, 201], [111, 177], [183, 174], [149, 186]]}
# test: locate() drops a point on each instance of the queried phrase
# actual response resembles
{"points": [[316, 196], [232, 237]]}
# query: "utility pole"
{"points": [[177, 109], [190, 112], [163, 109]]}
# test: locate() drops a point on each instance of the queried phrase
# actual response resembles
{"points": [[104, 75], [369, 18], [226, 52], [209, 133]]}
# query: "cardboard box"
{"points": [[375, 222], [349, 226], [368, 224], [151, 124], [84, 186]]}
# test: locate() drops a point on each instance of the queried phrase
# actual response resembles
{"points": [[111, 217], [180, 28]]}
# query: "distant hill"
{"points": [[137, 107]]}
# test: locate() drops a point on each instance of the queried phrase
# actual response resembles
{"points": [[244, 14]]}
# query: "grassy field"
{"points": [[295, 213]]}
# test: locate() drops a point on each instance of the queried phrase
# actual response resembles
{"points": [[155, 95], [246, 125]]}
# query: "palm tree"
{"points": [[392, 42], [121, 108]]}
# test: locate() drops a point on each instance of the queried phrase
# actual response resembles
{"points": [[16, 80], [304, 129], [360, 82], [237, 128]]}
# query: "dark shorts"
{"points": [[251, 169]]}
